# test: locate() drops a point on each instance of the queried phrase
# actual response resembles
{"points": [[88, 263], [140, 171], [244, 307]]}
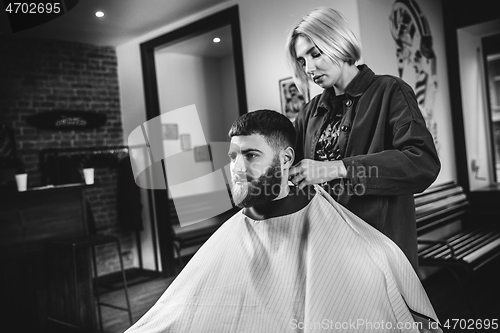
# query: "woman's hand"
{"points": [[308, 172]]}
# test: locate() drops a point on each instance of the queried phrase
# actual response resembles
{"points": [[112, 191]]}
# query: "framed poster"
{"points": [[185, 141], [292, 100], [202, 153], [170, 132]]}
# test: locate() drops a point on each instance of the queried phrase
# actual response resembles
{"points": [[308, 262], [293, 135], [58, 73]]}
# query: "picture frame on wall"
{"points": [[185, 142], [170, 132], [292, 100], [202, 153]]}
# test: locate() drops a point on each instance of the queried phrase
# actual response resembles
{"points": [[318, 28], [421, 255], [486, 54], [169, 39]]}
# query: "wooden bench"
{"points": [[472, 246]]}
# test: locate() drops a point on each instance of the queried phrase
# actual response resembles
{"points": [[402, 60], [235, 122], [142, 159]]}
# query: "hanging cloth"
{"points": [[129, 205]]}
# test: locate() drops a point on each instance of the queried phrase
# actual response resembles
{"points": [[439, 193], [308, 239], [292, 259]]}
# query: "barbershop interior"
{"points": [[113, 114]]}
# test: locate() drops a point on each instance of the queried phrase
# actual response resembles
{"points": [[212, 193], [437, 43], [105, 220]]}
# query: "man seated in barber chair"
{"points": [[290, 260]]}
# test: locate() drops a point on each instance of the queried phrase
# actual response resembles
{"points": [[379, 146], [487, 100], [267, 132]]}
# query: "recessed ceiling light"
{"points": [[99, 14], [216, 40]]}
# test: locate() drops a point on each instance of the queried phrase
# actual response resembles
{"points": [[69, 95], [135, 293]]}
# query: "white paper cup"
{"points": [[21, 180], [88, 174]]}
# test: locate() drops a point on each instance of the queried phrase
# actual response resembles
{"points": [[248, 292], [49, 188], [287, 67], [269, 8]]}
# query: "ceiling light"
{"points": [[216, 40], [99, 14]]}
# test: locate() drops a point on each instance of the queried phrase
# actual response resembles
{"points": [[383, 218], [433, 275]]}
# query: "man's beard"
{"points": [[256, 192]]}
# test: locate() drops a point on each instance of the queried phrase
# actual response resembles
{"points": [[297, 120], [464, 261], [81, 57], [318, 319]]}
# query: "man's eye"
{"points": [[250, 156]]}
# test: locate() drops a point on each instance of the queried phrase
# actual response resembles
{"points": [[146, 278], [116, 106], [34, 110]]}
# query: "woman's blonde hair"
{"points": [[331, 33]]}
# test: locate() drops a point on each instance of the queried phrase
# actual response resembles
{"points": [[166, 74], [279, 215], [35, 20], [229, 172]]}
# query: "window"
{"points": [[491, 50]]}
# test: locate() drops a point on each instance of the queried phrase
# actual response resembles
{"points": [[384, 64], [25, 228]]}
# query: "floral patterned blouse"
{"points": [[327, 148]]}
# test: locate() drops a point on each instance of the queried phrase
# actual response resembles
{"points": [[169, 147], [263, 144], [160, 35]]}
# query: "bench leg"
{"points": [[465, 285]]}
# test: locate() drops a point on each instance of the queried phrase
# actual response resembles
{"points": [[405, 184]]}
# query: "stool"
{"points": [[91, 241]]}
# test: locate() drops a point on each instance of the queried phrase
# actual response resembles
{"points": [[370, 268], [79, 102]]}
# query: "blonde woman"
{"points": [[363, 139]]}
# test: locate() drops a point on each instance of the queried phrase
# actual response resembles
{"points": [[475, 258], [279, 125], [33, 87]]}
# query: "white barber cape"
{"points": [[318, 269]]}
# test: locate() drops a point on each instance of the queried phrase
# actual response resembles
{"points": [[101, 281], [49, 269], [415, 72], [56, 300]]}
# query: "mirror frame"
{"points": [[229, 17], [158, 199]]}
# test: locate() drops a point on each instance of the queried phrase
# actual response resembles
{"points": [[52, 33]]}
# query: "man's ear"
{"points": [[288, 157]]}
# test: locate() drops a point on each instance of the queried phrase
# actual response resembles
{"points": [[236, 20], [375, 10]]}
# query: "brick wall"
{"points": [[45, 75]]}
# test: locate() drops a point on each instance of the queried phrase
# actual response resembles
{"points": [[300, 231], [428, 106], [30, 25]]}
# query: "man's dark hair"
{"points": [[275, 127]]}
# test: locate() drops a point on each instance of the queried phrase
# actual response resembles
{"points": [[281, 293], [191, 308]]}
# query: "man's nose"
{"points": [[239, 164]]}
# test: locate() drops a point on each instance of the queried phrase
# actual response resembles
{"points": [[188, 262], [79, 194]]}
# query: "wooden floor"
{"points": [[142, 296], [442, 289]]}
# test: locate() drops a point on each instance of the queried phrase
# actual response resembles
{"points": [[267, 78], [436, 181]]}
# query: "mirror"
{"points": [[183, 68]]}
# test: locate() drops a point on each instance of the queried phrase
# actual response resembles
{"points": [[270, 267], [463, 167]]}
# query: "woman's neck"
{"points": [[346, 76]]}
